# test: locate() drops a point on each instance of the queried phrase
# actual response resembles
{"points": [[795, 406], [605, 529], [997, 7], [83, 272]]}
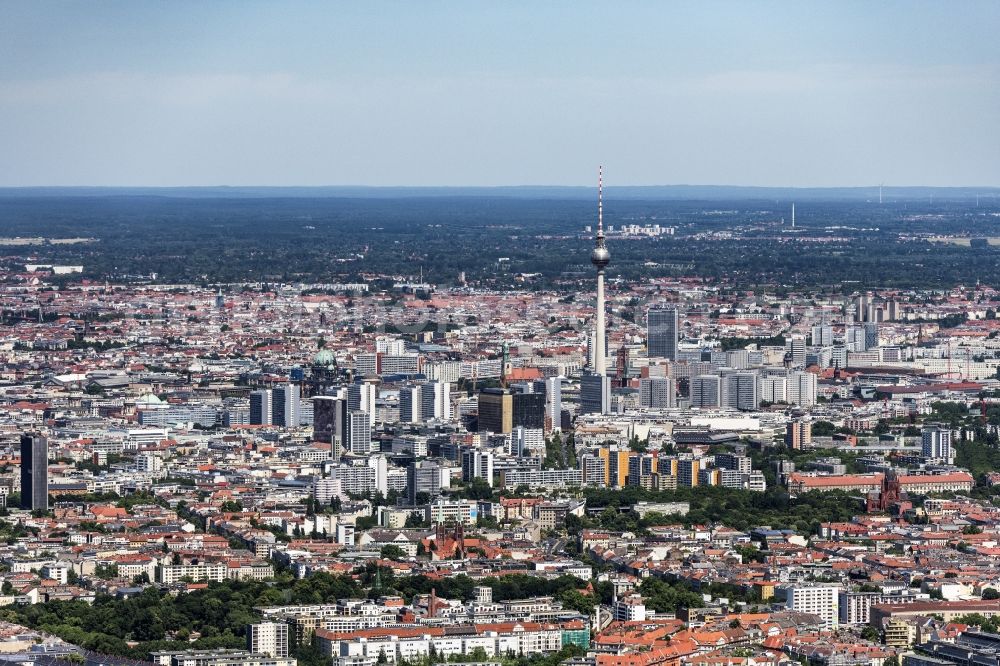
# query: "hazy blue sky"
{"points": [[499, 93]]}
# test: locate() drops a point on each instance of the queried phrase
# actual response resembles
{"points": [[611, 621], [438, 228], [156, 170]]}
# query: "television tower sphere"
{"points": [[600, 256]]}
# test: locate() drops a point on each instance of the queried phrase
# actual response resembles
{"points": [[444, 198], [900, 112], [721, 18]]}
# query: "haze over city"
{"points": [[445, 93]]}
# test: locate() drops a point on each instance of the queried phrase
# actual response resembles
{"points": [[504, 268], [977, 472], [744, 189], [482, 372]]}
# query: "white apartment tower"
{"points": [[821, 600], [936, 445], [270, 638]]}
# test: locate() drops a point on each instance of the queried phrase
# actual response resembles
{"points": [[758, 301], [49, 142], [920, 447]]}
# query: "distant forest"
{"points": [[742, 243]]}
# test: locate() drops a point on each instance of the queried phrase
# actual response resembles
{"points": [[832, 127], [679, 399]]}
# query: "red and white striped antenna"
{"points": [[600, 200]]}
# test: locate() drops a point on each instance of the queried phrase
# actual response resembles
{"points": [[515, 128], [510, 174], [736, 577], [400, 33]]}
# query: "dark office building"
{"points": [[529, 410], [496, 410], [34, 472], [329, 419], [502, 410], [662, 333]]}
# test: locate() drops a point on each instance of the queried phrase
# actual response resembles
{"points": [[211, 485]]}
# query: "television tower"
{"points": [[793, 215], [600, 257]]}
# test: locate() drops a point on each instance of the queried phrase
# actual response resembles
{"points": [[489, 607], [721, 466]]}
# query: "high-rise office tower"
{"points": [[285, 406], [34, 473], [425, 476], [862, 305], [740, 391], [600, 258], [871, 335], [361, 397], [435, 401], [359, 432], [795, 347], [477, 464], [854, 338], [773, 389], [528, 404], [595, 394], [801, 389], [657, 392], [528, 410], [822, 335], [661, 333], [261, 407], [706, 390], [410, 404]]}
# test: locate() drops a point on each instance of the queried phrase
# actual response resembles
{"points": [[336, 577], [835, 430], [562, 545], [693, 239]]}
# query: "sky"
{"points": [[800, 94]]}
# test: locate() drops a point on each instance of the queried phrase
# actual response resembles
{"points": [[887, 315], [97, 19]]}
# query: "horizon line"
{"points": [[874, 186]]}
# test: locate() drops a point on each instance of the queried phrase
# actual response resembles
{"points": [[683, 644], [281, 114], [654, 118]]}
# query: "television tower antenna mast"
{"points": [[600, 201], [600, 258], [793, 215]]}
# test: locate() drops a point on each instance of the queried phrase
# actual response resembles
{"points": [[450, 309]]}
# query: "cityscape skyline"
{"points": [[380, 425], [387, 436]]}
